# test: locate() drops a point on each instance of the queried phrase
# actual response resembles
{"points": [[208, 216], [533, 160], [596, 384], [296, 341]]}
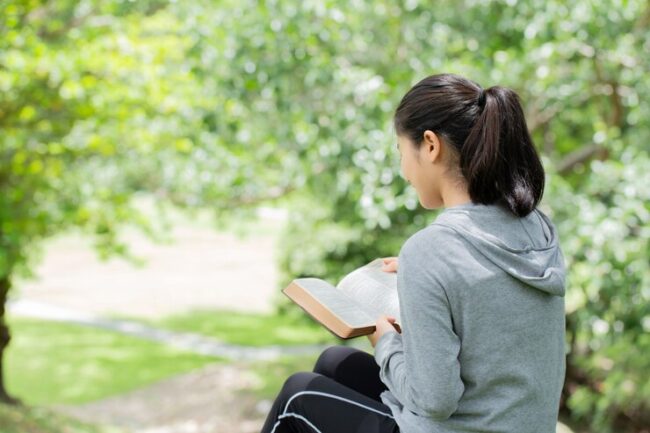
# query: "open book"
{"points": [[351, 308]]}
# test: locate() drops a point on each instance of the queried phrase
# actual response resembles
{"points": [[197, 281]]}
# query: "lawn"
{"points": [[20, 419], [57, 363], [256, 330], [272, 374], [250, 329]]}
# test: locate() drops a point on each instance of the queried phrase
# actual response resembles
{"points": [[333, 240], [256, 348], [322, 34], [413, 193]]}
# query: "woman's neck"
{"points": [[454, 193]]}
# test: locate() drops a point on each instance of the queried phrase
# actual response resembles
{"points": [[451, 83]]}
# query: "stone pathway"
{"points": [[185, 341], [217, 398]]}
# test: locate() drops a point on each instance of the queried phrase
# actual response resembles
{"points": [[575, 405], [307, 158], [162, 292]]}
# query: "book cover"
{"points": [[350, 308]]}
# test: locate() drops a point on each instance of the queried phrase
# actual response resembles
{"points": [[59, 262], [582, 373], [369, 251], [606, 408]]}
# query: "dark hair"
{"points": [[487, 128]]}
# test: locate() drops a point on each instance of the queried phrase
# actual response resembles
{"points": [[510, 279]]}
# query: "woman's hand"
{"points": [[383, 325], [390, 264]]}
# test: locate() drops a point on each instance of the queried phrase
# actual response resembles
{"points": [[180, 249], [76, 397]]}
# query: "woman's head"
{"points": [[474, 137]]}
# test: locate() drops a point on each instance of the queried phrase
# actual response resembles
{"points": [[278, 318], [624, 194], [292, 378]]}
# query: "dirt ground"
{"points": [[198, 270], [215, 399]]}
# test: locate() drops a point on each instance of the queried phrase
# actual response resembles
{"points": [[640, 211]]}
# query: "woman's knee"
{"points": [[297, 382], [329, 360]]}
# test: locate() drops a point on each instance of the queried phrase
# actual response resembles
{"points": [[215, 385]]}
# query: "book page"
{"points": [[337, 301], [373, 288]]}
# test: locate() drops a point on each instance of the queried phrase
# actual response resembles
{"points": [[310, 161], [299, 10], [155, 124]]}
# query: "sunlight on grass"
{"points": [[272, 374], [250, 329], [50, 362]]}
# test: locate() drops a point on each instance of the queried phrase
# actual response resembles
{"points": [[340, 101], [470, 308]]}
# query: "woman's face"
{"points": [[419, 168]]}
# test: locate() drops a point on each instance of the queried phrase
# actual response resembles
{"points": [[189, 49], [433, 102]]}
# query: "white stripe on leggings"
{"points": [[286, 407], [295, 415], [324, 394]]}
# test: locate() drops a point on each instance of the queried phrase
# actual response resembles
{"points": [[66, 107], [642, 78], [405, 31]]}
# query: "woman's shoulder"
{"points": [[432, 240], [430, 258]]}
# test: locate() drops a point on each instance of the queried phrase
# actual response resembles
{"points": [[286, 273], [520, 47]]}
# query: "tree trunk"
{"points": [[5, 284]]}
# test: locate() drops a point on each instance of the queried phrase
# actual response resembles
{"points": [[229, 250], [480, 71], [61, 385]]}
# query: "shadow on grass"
{"points": [[249, 329], [24, 419]]}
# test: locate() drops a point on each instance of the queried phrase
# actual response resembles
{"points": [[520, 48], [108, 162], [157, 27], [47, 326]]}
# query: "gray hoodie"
{"points": [[482, 310]]}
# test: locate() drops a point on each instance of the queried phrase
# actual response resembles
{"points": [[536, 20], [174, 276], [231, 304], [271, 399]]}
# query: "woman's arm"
{"points": [[420, 366]]}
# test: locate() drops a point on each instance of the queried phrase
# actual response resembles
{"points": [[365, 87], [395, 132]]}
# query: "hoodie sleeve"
{"points": [[420, 366]]}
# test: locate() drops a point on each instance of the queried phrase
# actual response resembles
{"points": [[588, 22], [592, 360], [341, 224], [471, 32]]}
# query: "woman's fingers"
{"points": [[390, 264]]}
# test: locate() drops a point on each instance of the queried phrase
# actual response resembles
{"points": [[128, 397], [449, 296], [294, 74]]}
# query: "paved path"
{"points": [[201, 269], [185, 341]]}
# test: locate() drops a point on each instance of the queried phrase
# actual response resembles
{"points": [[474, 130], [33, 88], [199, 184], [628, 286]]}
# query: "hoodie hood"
{"points": [[527, 248]]}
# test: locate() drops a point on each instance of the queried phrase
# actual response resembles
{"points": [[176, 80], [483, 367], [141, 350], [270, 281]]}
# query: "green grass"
{"points": [[250, 329], [272, 374], [54, 363], [20, 419]]}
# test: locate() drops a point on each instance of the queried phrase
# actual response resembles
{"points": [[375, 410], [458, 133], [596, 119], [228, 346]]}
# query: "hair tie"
{"points": [[481, 99]]}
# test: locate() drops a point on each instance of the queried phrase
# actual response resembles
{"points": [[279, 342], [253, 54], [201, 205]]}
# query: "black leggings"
{"points": [[340, 396]]}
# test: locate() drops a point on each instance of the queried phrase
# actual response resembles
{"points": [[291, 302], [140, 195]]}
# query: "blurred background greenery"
{"points": [[228, 105]]}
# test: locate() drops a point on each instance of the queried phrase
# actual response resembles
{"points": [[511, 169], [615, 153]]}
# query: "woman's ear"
{"points": [[431, 147]]}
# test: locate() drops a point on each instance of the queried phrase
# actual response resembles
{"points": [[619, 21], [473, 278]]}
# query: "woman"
{"points": [[481, 289]]}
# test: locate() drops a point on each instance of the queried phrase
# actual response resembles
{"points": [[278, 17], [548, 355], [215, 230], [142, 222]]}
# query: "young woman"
{"points": [[481, 289]]}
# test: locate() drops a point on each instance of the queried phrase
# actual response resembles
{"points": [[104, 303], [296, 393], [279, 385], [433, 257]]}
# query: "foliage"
{"points": [[85, 99], [228, 104], [608, 317], [59, 363]]}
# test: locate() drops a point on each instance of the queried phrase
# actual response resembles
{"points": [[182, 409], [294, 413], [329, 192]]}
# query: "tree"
{"points": [[79, 110], [233, 103], [103, 100]]}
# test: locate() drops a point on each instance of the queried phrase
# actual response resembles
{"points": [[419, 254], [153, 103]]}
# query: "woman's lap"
{"points": [[353, 368], [317, 402]]}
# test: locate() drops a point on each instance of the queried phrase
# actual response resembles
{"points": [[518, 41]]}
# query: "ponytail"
{"points": [[487, 128], [498, 158]]}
